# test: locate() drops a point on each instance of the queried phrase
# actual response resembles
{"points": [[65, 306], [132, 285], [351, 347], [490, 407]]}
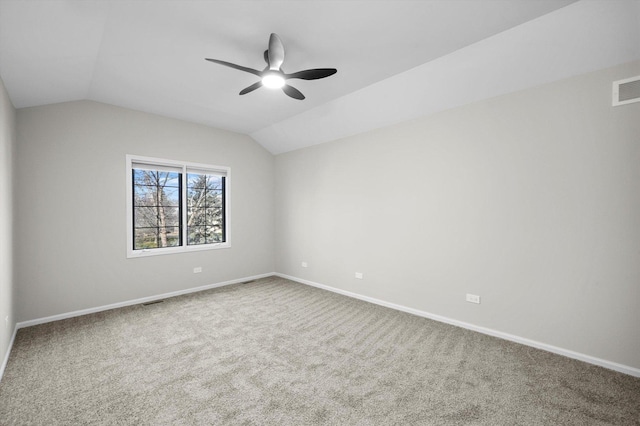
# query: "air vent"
{"points": [[153, 302], [626, 91]]}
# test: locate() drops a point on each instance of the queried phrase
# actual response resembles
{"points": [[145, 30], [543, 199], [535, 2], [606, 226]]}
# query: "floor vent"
{"points": [[626, 91], [154, 302]]}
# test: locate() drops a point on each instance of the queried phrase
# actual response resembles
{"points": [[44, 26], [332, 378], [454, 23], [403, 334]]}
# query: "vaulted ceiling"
{"points": [[396, 59]]}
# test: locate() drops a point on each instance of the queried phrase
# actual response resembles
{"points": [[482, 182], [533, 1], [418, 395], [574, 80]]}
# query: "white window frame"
{"points": [[185, 166]]}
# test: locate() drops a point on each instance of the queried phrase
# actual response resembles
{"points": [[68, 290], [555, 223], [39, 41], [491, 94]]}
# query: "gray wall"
{"points": [[7, 148], [71, 205], [530, 200]]}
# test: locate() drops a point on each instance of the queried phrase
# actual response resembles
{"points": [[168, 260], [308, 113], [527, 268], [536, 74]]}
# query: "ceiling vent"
{"points": [[626, 91]]}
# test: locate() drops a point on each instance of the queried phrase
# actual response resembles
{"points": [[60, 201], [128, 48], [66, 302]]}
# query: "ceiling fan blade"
{"points": [[313, 74], [251, 88], [293, 92], [275, 52], [238, 67]]}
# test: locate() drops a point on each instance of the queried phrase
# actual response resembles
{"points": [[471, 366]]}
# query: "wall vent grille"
{"points": [[626, 91]]}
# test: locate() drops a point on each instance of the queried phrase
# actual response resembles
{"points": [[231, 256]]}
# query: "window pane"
{"points": [[198, 180], [172, 179], [205, 208], [150, 238], [206, 217], [172, 216], [146, 195], [145, 217], [138, 177], [156, 208], [214, 198], [145, 238], [173, 236], [195, 180], [213, 216], [197, 235], [156, 216], [172, 196], [205, 235], [196, 217], [195, 197], [156, 178], [215, 234], [214, 182]]}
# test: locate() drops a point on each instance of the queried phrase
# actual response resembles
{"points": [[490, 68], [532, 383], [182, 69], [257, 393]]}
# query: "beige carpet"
{"points": [[274, 352]]}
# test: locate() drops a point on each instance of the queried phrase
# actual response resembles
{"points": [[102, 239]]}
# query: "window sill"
{"points": [[132, 254]]}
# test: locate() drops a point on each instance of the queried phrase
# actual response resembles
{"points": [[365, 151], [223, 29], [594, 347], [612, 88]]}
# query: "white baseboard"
{"points": [[58, 317], [506, 336], [6, 355], [550, 348]]}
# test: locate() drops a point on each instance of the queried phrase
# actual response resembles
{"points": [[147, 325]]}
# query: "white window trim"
{"points": [[131, 253]]}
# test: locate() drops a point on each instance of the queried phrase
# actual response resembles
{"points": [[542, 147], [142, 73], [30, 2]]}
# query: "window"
{"points": [[174, 206]]}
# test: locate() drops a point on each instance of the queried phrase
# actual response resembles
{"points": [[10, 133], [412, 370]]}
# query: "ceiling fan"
{"points": [[272, 76]]}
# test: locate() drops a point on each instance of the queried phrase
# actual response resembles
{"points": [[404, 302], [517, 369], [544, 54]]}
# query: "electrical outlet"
{"points": [[359, 275], [197, 270], [473, 298], [305, 264]]}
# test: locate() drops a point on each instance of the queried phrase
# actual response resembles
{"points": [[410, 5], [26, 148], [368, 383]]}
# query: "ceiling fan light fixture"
{"points": [[272, 77], [273, 80]]}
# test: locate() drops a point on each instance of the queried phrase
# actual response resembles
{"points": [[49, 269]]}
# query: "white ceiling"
{"points": [[396, 59]]}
